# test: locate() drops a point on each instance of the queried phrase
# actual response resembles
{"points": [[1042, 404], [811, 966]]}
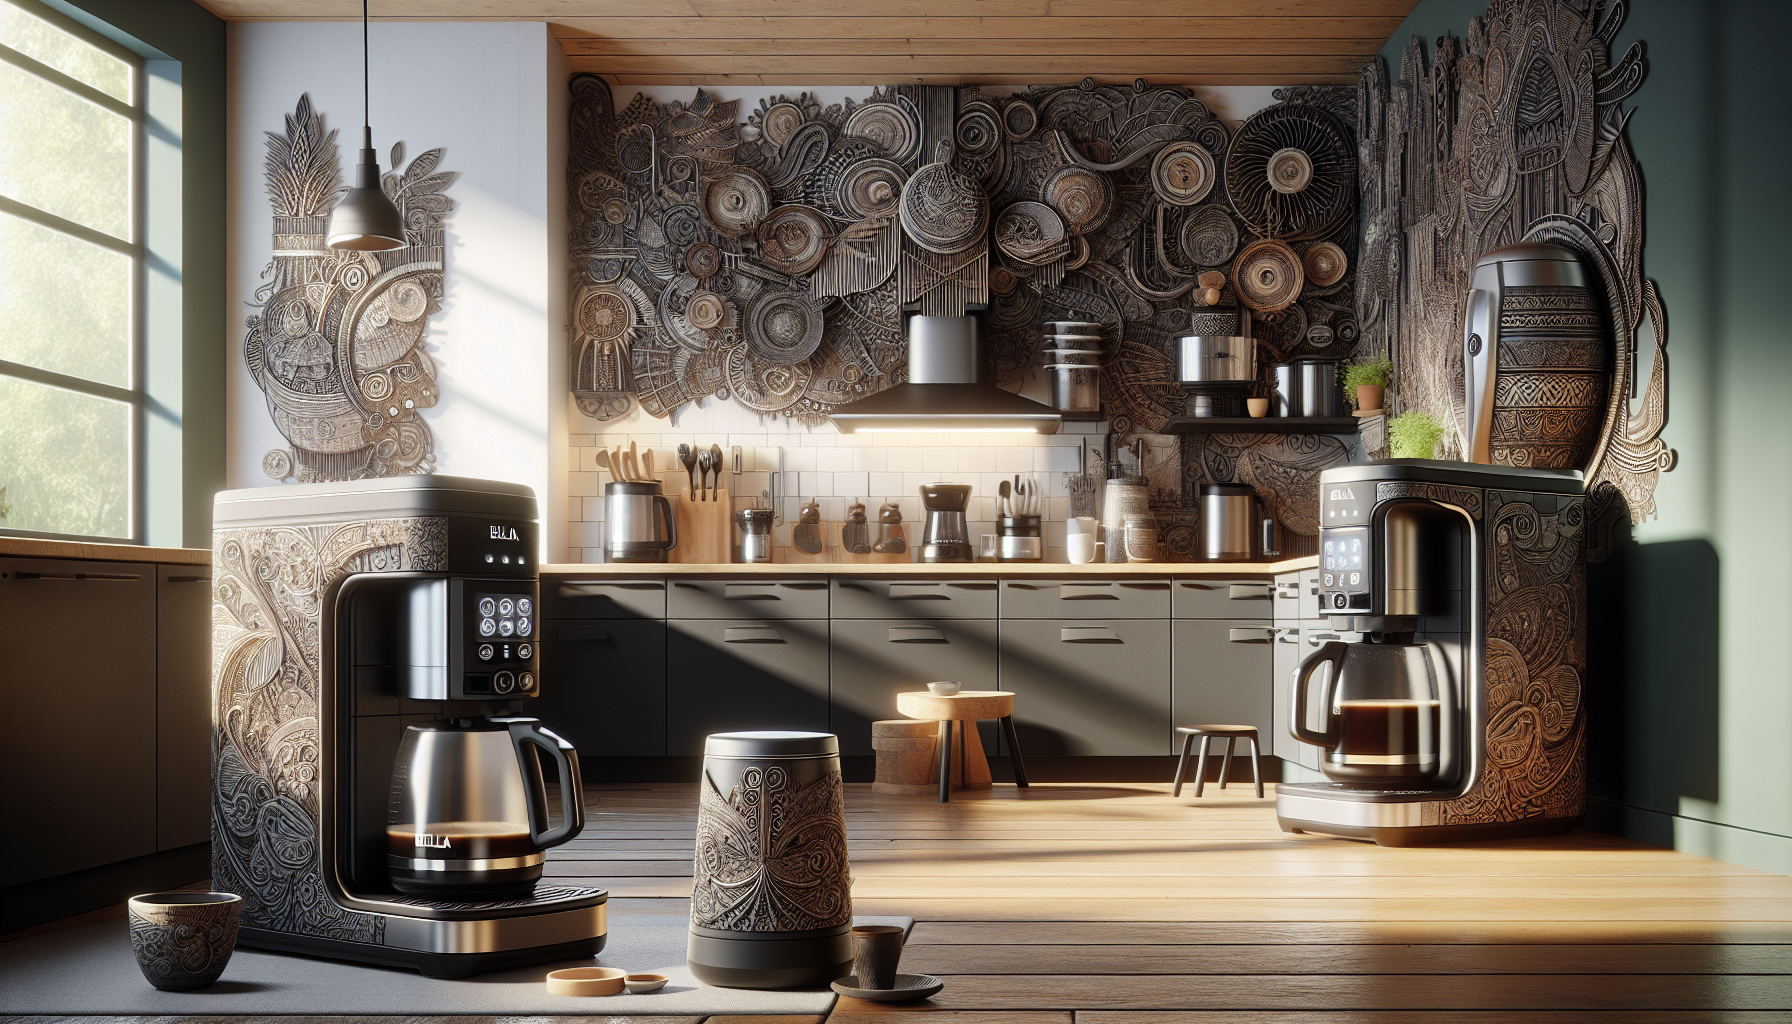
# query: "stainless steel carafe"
{"points": [[468, 814], [1386, 719], [634, 511]]}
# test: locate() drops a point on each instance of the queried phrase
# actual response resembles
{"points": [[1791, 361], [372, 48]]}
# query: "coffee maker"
{"points": [[375, 794], [1450, 709]]}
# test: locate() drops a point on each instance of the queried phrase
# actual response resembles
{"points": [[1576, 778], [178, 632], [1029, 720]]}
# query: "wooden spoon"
{"points": [[603, 462], [634, 462], [647, 464]]}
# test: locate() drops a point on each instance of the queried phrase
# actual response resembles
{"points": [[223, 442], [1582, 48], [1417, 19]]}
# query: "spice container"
{"points": [[1019, 539]]}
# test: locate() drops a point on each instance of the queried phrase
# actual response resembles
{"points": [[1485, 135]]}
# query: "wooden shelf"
{"points": [[1261, 425]]}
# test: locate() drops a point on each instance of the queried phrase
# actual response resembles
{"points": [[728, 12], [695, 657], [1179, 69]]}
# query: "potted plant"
{"points": [[1414, 435], [1366, 382]]}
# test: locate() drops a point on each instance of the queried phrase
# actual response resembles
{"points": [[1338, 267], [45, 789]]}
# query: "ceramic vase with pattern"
{"points": [[184, 939]]}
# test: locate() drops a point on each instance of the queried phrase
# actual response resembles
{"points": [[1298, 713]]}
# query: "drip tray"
{"points": [[546, 899], [1365, 794]]}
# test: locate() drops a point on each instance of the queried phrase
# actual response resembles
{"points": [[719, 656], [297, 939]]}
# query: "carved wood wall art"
{"points": [[1515, 133], [337, 344]]}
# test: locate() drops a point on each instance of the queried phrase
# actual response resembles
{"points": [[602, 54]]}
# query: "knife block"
{"points": [[705, 528]]}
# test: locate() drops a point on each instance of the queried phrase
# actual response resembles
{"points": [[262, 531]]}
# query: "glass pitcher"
{"points": [[468, 816], [1387, 718]]}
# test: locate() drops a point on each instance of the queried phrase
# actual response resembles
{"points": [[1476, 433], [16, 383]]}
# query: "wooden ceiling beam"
{"points": [[813, 79], [1065, 68], [969, 29], [1058, 49], [555, 10]]}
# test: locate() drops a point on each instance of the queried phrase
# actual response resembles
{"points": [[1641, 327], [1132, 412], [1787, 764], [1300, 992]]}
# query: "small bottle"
{"points": [[891, 538]]}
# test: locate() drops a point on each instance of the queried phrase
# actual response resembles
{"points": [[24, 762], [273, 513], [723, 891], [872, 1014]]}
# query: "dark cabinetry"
{"points": [[1089, 686], [872, 660], [725, 675], [183, 705], [603, 685], [1220, 673]]}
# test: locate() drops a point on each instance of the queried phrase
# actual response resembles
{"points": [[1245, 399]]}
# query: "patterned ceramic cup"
{"points": [[184, 939], [876, 950]]}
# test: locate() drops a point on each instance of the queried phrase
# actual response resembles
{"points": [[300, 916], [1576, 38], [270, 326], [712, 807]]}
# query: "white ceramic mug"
{"points": [[1082, 524], [1080, 547]]}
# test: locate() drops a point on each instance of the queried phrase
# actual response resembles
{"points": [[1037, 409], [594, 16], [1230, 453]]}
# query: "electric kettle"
{"points": [[1386, 717], [468, 817]]}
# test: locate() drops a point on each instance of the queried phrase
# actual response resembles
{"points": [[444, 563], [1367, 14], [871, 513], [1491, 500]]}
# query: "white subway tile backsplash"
{"points": [[939, 460], [884, 484], [977, 460], [590, 535], [1014, 459], [871, 460], [592, 511], [799, 460], [583, 484], [906, 460], [852, 485], [834, 460], [815, 484]]}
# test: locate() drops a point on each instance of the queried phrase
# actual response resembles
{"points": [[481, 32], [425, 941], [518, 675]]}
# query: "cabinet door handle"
{"points": [[582, 633], [750, 592], [1289, 636], [1247, 591], [751, 635], [1088, 635], [189, 579], [101, 577], [1087, 592], [1318, 638], [1250, 635], [1192, 585], [916, 635], [594, 588], [918, 592]]}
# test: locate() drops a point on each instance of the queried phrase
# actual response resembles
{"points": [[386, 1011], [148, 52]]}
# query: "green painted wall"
{"points": [[1690, 686], [180, 30]]}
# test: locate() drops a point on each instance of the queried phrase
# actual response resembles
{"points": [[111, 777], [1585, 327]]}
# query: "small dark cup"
{"points": [[184, 939], [876, 950]]}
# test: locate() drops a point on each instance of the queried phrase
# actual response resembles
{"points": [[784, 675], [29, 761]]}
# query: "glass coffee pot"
{"points": [[468, 817], [1386, 718]]}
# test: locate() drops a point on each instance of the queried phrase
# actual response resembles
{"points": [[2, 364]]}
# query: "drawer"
{"points": [[725, 675], [1089, 686], [873, 660], [915, 599], [1211, 598], [603, 685], [1221, 673], [749, 599], [1095, 599], [568, 597]]}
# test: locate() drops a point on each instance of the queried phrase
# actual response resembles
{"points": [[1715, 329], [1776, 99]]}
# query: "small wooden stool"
{"points": [[965, 706], [1232, 733], [905, 756]]}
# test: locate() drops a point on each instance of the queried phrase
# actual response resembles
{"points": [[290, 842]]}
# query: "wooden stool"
{"points": [[965, 706], [1232, 733], [905, 756]]}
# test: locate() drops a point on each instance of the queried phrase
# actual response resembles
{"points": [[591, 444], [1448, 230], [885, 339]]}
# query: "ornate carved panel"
{"points": [[771, 855], [337, 343], [1515, 133], [271, 588]]}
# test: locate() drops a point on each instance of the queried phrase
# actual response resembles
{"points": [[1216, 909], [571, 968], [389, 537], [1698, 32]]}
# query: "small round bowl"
{"points": [[183, 939], [641, 984], [943, 688], [586, 981]]}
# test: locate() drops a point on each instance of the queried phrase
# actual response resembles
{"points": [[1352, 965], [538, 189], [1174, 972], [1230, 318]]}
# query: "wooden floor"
{"points": [[1116, 904]]}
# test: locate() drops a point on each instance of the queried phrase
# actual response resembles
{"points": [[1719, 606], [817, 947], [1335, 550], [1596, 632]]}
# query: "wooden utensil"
{"points": [[603, 462], [1002, 490], [647, 463], [618, 465], [634, 462], [703, 467]]}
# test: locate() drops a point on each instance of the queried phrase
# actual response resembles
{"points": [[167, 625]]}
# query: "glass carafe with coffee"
{"points": [[469, 810], [1383, 711]]}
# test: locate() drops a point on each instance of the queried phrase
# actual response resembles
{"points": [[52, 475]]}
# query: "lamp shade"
{"points": [[366, 220]]}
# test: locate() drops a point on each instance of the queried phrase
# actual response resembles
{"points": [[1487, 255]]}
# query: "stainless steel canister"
{"points": [[1286, 400], [1076, 387], [771, 896], [1320, 392], [634, 511], [1215, 359], [1019, 539], [753, 535], [1226, 521]]}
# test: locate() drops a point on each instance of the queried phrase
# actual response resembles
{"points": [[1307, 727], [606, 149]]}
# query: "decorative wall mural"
{"points": [[1514, 134], [763, 257], [337, 344]]}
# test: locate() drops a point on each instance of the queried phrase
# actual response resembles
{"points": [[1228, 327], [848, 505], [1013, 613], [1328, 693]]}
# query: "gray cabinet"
{"points": [[1089, 686], [1208, 598], [1219, 675], [872, 660], [80, 785], [1296, 640], [1085, 598], [725, 675], [603, 685], [914, 599], [183, 705], [569, 597], [758, 599]]}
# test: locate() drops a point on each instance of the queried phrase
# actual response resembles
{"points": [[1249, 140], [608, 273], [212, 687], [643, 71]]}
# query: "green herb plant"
{"points": [[1414, 435], [1373, 372]]}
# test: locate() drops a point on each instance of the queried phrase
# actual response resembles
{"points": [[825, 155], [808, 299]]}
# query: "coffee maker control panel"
{"points": [[1345, 574]]}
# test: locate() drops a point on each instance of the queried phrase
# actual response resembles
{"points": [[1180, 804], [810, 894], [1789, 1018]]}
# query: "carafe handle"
{"points": [[529, 732], [1332, 651], [665, 506]]}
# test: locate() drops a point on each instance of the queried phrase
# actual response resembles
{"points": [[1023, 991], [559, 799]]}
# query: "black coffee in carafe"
{"points": [[1403, 731]]}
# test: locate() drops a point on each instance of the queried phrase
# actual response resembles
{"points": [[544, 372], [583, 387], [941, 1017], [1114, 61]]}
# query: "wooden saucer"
{"points": [[585, 981]]}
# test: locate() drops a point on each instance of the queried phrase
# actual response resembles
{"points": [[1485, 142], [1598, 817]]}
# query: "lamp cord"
{"points": [[366, 122]]}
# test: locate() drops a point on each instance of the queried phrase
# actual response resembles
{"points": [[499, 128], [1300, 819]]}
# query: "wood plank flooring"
{"points": [[1116, 904]]}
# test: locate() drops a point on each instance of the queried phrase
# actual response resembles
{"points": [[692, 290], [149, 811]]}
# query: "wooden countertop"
{"points": [[34, 547], [966, 570]]}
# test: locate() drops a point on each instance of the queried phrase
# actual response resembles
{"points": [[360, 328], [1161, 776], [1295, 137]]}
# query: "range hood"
{"points": [[945, 391]]}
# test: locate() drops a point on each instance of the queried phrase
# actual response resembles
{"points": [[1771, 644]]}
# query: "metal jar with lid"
{"points": [[1226, 522], [771, 894], [753, 535]]}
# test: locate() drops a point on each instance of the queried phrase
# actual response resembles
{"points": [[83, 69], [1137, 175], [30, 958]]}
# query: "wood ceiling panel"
{"points": [[1358, 31], [1064, 68], [1058, 50], [816, 79], [552, 10]]}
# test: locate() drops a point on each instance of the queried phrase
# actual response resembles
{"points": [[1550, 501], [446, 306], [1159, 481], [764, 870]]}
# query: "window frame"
{"points": [[136, 396]]}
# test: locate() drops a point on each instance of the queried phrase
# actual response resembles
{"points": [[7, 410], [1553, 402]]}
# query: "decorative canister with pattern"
{"points": [[771, 895], [1536, 359]]}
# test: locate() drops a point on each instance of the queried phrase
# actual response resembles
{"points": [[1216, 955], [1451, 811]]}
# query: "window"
{"points": [[71, 279]]}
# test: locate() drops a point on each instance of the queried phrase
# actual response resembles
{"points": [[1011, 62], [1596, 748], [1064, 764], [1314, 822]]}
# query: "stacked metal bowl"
{"points": [[1072, 352]]}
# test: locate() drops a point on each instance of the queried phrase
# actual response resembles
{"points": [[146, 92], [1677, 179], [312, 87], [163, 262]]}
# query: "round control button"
{"points": [[485, 652], [523, 627], [487, 627], [488, 558], [506, 627], [524, 606], [525, 651], [504, 682], [487, 606], [526, 682], [1339, 600], [506, 607]]}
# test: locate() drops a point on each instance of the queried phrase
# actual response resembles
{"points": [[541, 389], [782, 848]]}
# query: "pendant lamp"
{"points": [[365, 220]]}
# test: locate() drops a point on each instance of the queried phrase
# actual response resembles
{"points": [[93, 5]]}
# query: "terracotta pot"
{"points": [[1368, 397]]}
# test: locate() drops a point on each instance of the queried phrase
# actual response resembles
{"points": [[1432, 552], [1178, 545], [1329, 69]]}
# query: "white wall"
{"points": [[491, 94]]}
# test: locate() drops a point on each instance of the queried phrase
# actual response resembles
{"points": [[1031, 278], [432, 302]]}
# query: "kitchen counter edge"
{"points": [[933, 569], [95, 551]]}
